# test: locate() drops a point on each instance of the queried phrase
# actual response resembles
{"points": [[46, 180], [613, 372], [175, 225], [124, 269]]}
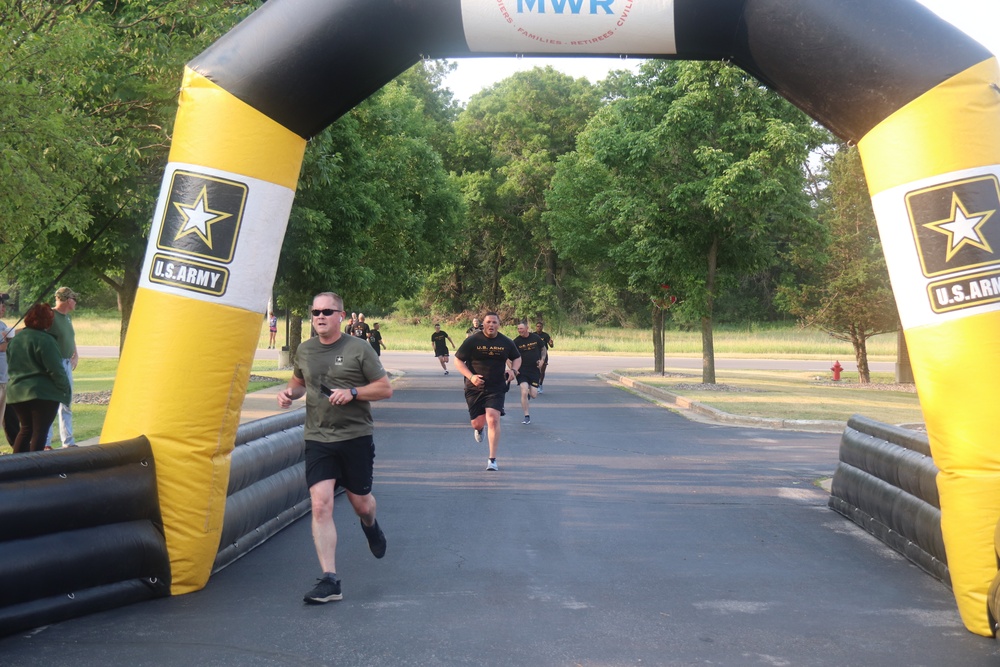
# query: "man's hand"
{"points": [[285, 399]]}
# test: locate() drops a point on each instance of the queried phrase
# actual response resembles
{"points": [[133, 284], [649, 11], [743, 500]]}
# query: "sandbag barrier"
{"points": [[267, 484], [80, 532], [886, 483]]}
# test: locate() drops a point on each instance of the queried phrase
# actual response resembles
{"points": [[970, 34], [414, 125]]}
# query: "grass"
{"points": [[746, 341], [787, 395], [785, 340], [793, 395], [93, 375]]}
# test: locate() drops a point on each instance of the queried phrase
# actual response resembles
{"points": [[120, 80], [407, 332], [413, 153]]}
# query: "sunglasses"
{"points": [[326, 311]]}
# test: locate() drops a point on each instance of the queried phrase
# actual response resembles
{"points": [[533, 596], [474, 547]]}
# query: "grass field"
{"points": [[98, 375], [786, 340], [792, 394]]}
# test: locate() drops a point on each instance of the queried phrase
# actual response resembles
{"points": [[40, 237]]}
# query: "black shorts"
{"points": [[478, 400], [531, 378], [350, 462]]}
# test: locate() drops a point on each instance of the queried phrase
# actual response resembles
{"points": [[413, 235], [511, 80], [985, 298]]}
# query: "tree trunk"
{"points": [[125, 292], [707, 342], [294, 335], [859, 341], [658, 340], [126, 301]]}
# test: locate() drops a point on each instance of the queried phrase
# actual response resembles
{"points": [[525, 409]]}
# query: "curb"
{"points": [[723, 418]]}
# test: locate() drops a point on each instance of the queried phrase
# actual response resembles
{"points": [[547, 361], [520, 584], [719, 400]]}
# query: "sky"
{"points": [[978, 18]]}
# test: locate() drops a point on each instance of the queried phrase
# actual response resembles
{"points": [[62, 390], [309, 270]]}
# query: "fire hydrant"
{"points": [[836, 368]]}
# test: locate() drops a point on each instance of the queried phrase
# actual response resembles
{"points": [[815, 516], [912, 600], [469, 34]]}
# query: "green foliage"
{"points": [[375, 208], [507, 142], [849, 295], [691, 177], [88, 92]]}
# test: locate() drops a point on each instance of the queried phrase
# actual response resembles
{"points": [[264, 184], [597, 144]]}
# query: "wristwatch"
{"points": [[354, 392]]}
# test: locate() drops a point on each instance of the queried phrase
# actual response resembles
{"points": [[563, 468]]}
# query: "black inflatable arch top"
{"points": [[305, 63]]}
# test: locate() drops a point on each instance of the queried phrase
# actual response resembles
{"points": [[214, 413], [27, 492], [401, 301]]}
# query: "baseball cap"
{"points": [[65, 294]]}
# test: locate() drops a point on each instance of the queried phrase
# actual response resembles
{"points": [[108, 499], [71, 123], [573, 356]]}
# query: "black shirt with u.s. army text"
{"points": [[530, 347], [488, 357]]}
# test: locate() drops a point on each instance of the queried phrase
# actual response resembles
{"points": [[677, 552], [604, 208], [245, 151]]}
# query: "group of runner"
{"points": [[490, 361], [340, 375]]}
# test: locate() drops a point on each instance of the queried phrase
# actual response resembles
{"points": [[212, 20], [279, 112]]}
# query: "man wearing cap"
{"points": [[6, 333], [62, 331]]}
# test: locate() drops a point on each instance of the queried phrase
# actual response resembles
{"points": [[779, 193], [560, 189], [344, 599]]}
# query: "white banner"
{"points": [[570, 26], [216, 236], [941, 238]]}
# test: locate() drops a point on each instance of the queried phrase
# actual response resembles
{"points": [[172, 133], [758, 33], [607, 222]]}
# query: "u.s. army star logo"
{"points": [[202, 216], [956, 225]]}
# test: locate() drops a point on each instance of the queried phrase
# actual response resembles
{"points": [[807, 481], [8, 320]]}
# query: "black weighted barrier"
{"points": [[886, 483], [80, 532], [267, 485]]}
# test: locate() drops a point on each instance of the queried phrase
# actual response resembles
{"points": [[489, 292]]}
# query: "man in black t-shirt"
{"points": [[547, 339], [482, 359], [533, 351], [375, 339], [361, 328], [438, 339], [476, 326]]}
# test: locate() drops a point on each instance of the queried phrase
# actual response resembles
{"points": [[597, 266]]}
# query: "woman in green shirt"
{"points": [[37, 379]]}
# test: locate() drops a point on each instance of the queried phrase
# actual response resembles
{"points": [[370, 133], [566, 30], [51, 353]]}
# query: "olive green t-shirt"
{"points": [[62, 331], [349, 362]]}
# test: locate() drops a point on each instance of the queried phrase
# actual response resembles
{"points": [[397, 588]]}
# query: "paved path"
{"points": [[615, 533]]}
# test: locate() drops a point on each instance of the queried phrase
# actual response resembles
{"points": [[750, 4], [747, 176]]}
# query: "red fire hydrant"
{"points": [[836, 368]]}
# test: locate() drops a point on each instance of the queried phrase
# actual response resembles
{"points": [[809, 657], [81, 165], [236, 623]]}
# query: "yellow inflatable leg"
{"points": [[934, 174], [209, 267]]}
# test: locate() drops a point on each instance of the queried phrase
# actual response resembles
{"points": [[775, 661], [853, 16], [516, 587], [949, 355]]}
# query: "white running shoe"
{"points": [[478, 433], [491, 465]]}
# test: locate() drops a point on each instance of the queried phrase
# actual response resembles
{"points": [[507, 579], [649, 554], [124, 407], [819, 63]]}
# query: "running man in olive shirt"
{"points": [[340, 376], [482, 359]]}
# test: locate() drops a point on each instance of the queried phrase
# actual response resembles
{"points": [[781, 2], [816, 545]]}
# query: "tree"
{"points": [[506, 146], [850, 297], [375, 210], [694, 173], [92, 93]]}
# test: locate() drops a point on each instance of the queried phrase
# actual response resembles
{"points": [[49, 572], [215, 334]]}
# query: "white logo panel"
{"points": [[216, 236], [570, 26], [941, 238]]}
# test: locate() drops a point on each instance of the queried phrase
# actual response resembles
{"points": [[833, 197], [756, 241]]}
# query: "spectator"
{"points": [[38, 380], [5, 335], [62, 331], [272, 327]]}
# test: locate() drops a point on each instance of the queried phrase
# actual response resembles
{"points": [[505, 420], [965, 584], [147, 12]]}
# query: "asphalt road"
{"points": [[615, 533]]}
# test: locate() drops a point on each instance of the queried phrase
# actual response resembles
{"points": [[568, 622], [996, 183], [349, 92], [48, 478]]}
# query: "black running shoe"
{"points": [[376, 539], [527, 419], [327, 590]]}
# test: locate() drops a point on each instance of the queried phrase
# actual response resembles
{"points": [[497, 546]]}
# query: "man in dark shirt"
{"points": [[547, 339], [361, 328], [438, 339], [482, 359], [533, 351], [476, 326]]}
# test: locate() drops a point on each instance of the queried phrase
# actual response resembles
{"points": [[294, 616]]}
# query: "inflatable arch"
{"points": [[920, 98]]}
